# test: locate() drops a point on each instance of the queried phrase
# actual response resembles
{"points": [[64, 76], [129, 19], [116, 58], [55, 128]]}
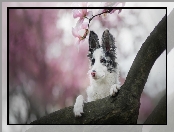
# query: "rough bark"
{"points": [[124, 108]]}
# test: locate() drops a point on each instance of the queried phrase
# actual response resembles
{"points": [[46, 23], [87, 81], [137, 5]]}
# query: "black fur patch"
{"points": [[109, 49], [110, 61], [93, 43]]}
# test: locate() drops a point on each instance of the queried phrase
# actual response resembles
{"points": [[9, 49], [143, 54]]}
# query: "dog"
{"points": [[103, 73]]}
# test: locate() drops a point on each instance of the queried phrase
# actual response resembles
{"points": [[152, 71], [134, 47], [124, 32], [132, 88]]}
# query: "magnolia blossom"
{"points": [[79, 41], [82, 13], [81, 30], [79, 13], [80, 34], [85, 16]]}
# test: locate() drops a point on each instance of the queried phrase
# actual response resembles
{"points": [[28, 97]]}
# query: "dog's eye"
{"points": [[103, 60], [93, 61]]}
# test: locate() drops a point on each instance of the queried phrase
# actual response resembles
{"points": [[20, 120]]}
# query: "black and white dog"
{"points": [[104, 73]]}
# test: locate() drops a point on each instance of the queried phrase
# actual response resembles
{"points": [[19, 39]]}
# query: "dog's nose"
{"points": [[93, 73]]}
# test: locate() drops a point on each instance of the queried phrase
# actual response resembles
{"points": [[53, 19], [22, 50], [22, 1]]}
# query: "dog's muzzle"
{"points": [[93, 73]]}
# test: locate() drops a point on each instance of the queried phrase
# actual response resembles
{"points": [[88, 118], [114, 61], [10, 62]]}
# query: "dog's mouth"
{"points": [[94, 75], [97, 77]]}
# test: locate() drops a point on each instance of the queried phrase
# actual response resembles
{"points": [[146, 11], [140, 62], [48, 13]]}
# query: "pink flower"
{"points": [[81, 30], [75, 33], [81, 25], [79, 42], [82, 13], [79, 13], [80, 34]]}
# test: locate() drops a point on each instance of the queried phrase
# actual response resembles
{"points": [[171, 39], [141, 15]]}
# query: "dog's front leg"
{"points": [[114, 89], [78, 106]]}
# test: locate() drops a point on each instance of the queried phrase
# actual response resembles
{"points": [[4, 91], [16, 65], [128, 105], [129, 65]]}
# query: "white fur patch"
{"points": [[98, 67], [114, 89], [78, 106]]}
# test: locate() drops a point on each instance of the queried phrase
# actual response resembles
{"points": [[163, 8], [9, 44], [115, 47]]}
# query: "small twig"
{"points": [[90, 19]]}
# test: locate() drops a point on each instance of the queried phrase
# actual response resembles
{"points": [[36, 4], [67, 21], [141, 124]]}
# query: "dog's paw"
{"points": [[114, 89], [78, 106]]}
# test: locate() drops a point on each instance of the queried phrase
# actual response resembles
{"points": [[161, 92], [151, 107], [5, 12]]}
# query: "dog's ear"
{"points": [[108, 41], [93, 41]]}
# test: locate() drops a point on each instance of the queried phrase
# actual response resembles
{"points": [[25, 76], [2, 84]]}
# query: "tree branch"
{"points": [[124, 108]]}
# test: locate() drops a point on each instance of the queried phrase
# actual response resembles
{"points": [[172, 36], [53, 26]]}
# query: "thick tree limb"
{"points": [[123, 109]]}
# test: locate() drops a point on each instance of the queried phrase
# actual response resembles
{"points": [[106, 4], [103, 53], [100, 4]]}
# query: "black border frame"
{"points": [[8, 8]]}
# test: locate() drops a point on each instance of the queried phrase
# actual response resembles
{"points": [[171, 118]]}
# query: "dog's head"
{"points": [[102, 57]]}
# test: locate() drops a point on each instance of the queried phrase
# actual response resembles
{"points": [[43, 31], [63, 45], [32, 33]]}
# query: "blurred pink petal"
{"points": [[81, 29], [79, 22], [77, 13], [79, 41], [80, 35], [81, 32], [84, 11], [89, 14], [75, 32], [84, 24]]}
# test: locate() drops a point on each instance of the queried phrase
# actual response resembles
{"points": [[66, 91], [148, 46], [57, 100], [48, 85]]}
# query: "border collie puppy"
{"points": [[103, 73]]}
